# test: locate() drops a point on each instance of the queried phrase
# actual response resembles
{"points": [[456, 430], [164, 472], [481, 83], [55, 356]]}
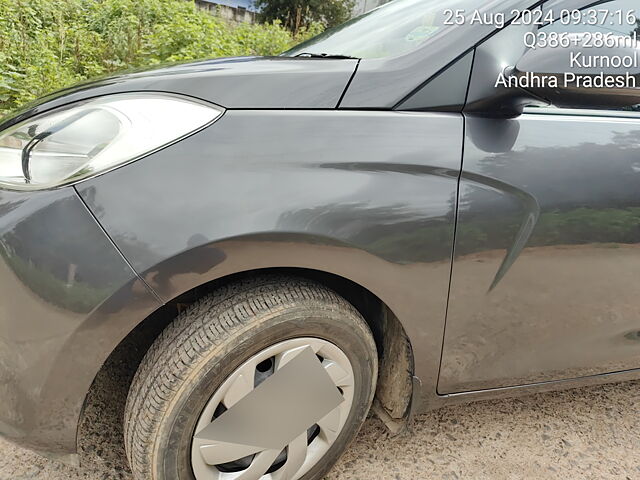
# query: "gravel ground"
{"points": [[592, 433]]}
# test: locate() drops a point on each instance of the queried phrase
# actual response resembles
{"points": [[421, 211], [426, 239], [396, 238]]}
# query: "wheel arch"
{"points": [[395, 380]]}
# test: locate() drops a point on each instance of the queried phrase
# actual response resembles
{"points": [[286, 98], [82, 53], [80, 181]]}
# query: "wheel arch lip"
{"points": [[259, 253], [247, 254], [84, 350], [263, 252]]}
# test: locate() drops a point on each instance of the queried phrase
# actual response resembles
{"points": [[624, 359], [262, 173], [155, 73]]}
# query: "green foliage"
{"points": [[298, 15], [46, 45], [77, 297], [580, 226], [605, 228]]}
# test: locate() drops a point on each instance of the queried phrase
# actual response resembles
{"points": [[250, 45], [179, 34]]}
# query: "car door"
{"points": [[546, 274]]}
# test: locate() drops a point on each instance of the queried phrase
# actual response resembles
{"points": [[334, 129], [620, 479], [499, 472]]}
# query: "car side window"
{"points": [[606, 19]]}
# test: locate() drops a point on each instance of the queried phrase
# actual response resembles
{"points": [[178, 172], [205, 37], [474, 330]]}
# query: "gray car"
{"points": [[394, 213]]}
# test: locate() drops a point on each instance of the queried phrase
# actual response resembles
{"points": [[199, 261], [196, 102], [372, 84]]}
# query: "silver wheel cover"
{"points": [[247, 462]]}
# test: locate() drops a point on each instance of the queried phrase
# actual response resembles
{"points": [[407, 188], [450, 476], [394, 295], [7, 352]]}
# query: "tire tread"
{"points": [[208, 325]]}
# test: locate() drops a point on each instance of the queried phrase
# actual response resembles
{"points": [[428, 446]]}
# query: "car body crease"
{"points": [[115, 246], [453, 248]]}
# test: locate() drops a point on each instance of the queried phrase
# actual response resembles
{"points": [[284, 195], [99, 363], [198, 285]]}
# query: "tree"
{"points": [[297, 15]]}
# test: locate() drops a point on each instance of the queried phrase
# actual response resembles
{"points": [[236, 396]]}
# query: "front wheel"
{"points": [[267, 378]]}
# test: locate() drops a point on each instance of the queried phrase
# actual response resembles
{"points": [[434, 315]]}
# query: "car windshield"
{"points": [[390, 30]]}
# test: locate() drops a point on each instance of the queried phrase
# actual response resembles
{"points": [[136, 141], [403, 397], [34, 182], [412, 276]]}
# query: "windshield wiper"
{"points": [[326, 55]]}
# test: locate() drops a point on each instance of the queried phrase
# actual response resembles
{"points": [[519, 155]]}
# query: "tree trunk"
{"points": [[298, 20]]}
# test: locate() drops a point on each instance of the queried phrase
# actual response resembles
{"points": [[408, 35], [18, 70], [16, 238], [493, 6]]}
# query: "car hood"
{"points": [[243, 82]]}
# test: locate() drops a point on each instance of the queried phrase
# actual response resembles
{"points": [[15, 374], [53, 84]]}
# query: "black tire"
{"points": [[206, 343]]}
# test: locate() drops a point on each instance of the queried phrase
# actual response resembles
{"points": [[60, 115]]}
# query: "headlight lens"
{"points": [[87, 138]]}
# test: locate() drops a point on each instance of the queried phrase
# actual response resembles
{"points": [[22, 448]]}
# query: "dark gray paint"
{"points": [[67, 297], [500, 51], [385, 83], [447, 92], [244, 82], [536, 192], [369, 196], [563, 191], [554, 62]]}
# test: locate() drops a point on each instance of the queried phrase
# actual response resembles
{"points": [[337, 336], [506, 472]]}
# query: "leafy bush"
{"points": [[46, 45]]}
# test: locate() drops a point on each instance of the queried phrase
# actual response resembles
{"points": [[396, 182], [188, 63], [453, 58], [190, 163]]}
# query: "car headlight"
{"points": [[90, 137]]}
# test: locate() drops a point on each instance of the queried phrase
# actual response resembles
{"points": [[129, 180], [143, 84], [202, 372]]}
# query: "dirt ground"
{"points": [[592, 433]]}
